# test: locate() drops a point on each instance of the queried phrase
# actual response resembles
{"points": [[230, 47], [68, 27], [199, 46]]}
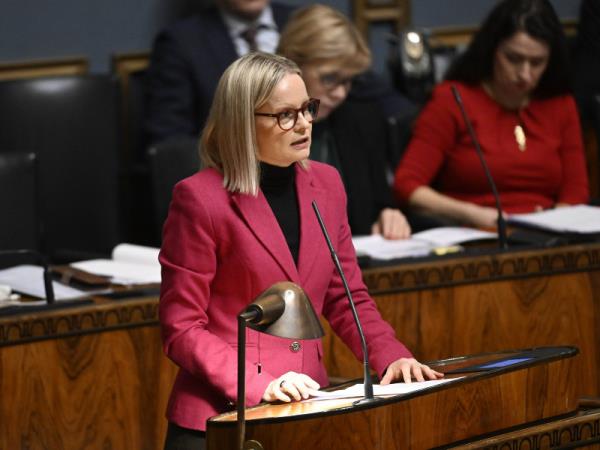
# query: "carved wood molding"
{"points": [[43, 68], [579, 431], [468, 270], [85, 320]]}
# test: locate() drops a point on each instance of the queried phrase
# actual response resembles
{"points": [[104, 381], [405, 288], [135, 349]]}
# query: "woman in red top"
{"points": [[513, 80]]}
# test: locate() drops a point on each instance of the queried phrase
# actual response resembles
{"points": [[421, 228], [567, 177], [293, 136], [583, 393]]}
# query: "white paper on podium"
{"points": [[420, 244], [29, 280], [582, 219], [130, 264], [358, 390]]}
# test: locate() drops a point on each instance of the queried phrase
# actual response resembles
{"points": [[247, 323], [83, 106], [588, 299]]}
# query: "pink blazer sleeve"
{"points": [[382, 344], [189, 264]]}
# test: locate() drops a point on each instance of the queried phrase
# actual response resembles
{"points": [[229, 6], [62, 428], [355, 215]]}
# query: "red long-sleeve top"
{"points": [[551, 169]]}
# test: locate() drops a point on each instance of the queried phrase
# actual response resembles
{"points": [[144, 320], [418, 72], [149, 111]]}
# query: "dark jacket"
{"points": [[361, 139], [188, 59]]}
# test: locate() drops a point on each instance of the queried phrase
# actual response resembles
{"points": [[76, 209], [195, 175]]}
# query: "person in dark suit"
{"points": [[189, 57], [349, 134]]}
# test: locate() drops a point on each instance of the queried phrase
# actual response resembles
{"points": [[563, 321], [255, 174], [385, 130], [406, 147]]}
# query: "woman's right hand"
{"points": [[482, 216], [290, 385]]}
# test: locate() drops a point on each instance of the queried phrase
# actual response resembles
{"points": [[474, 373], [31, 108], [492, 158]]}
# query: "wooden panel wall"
{"points": [[43, 68], [99, 390], [95, 376], [471, 305]]}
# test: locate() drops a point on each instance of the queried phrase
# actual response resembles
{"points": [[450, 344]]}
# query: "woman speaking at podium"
{"points": [[244, 223], [514, 83]]}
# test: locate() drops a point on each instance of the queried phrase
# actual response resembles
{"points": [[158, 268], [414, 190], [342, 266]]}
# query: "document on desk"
{"points": [[29, 280], [358, 390], [130, 264], [582, 219], [420, 244]]}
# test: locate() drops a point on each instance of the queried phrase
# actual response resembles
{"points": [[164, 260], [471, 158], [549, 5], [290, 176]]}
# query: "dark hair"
{"points": [[538, 19]]}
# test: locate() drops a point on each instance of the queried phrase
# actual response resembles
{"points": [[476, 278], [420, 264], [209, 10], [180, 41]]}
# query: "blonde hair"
{"points": [[228, 141], [319, 33]]}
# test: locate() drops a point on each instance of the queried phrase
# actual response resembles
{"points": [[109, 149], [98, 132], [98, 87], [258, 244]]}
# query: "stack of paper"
{"points": [[130, 264], [581, 219], [29, 280], [358, 390], [419, 244]]}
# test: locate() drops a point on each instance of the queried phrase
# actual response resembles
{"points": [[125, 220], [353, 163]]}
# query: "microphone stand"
{"points": [[502, 238], [368, 382]]}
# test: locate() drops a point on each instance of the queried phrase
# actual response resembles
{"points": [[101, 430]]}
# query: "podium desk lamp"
{"points": [[283, 310]]}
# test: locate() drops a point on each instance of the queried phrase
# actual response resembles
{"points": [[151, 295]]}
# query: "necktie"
{"points": [[249, 35]]}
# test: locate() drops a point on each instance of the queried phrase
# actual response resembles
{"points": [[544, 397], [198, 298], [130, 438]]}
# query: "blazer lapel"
{"points": [[257, 213], [312, 241]]}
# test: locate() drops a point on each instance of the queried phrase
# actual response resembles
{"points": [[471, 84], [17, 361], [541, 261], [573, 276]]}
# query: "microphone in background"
{"points": [[368, 382], [41, 260], [502, 239]]}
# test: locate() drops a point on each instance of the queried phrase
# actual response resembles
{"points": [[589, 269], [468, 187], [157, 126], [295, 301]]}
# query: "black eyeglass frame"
{"points": [[302, 109]]}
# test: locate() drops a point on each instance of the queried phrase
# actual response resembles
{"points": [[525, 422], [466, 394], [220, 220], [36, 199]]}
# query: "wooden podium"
{"points": [[534, 385]]}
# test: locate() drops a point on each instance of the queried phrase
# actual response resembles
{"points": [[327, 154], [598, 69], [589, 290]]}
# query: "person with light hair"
{"points": [[348, 134], [244, 223]]}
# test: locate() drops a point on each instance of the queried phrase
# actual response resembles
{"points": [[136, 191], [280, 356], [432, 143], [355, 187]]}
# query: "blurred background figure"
{"points": [[514, 82], [349, 134], [189, 57]]}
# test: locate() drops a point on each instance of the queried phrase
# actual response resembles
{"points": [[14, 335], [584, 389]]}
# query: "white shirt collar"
{"points": [[267, 36], [235, 25]]}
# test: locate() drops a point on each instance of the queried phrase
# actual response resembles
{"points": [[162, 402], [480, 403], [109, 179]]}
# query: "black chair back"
{"points": [[399, 135], [70, 122], [170, 162], [18, 201]]}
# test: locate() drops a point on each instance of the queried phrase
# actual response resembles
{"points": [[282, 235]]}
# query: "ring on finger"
{"points": [[281, 384]]}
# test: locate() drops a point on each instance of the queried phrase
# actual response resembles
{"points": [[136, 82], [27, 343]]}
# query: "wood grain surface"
{"points": [[469, 305], [480, 404], [100, 390]]}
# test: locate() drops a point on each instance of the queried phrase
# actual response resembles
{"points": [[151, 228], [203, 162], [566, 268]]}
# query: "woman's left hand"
{"points": [[408, 368], [391, 224]]}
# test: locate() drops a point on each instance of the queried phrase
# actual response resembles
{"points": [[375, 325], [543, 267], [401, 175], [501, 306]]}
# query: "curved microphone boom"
{"points": [[368, 382], [502, 239]]}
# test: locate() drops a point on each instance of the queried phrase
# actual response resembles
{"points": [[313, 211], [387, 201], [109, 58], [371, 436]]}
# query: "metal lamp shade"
{"points": [[284, 310]]}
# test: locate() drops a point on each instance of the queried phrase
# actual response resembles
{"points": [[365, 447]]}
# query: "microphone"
{"points": [[368, 382], [502, 239], [40, 259]]}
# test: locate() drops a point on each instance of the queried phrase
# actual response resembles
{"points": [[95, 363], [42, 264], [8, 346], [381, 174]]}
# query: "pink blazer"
{"points": [[220, 251]]}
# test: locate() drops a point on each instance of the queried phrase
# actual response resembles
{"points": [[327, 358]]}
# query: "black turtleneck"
{"points": [[278, 185]]}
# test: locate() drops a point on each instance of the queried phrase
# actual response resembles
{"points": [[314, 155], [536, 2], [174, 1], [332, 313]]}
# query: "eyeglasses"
{"points": [[287, 119], [330, 81]]}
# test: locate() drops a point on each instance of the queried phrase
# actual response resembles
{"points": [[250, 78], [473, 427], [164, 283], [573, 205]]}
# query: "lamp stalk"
{"points": [[241, 389]]}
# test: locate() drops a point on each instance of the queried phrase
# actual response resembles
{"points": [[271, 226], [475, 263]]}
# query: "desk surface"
{"points": [[408, 276], [101, 365]]}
